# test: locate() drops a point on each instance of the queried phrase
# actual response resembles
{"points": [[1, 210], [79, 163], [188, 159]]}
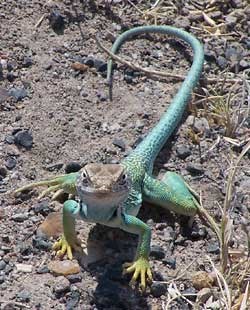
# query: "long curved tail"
{"points": [[157, 137]]}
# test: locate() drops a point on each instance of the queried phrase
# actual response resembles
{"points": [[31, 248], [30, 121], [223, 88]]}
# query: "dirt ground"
{"points": [[56, 117]]}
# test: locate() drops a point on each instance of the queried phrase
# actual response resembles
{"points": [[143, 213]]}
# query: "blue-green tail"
{"points": [[157, 137]]}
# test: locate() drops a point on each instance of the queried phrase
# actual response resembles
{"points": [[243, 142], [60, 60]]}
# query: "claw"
{"points": [[140, 268], [63, 247]]}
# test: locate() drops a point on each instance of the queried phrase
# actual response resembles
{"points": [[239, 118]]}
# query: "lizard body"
{"points": [[132, 179]]}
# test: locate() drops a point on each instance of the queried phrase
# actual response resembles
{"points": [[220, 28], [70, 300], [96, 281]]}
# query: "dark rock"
{"points": [[10, 163], [195, 169], [42, 207], [3, 172], [6, 238], [183, 151], [74, 278], [222, 62], [40, 243], [170, 261], [157, 252], [18, 93], [73, 300], [119, 143], [43, 269], [56, 21], [20, 217], [72, 167], [190, 293], [213, 248], [23, 296], [2, 279], [158, 289], [24, 138], [10, 66], [11, 76], [2, 264], [27, 61], [201, 233]]}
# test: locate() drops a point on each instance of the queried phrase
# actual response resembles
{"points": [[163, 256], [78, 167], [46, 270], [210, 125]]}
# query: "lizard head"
{"points": [[102, 188]]}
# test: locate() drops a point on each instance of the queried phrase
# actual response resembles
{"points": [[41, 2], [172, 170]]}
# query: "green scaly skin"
{"points": [[171, 192]]}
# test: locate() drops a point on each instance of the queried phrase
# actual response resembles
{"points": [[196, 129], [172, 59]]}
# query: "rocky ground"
{"points": [[56, 116]]}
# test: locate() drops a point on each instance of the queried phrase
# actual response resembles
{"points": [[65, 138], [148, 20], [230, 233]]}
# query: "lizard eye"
{"points": [[84, 177], [123, 179]]}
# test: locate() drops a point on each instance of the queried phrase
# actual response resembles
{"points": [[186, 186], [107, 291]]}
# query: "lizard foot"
{"points": [[64, 183], [63, 247], [140, 268]]}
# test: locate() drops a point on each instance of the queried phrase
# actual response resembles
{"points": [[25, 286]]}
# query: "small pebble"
{"points": [[213, 248], [10, 139], [195, 169], [190, 293], [170, 261], [62, 285], [20, 217], [27, 61], [43, 269], [2, 264], [74, 278], [23, 296], [119, 143], [183, 151], [24, 268], [73, 300], [41, 244], [10, 163], [202, 279], [3, 172]]}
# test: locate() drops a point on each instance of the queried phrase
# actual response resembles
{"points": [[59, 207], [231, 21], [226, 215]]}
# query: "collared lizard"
{"points": [[112, 194]]}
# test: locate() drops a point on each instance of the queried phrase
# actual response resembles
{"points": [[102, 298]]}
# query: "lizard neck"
{"points": [[149, 148]]}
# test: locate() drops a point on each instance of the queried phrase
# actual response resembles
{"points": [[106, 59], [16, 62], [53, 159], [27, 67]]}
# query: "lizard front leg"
{"points": [[63, 183], [68, 240], [140, 266]]}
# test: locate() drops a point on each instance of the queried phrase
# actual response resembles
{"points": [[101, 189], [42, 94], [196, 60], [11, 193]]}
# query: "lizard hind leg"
{"points": [[172, 193]]}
